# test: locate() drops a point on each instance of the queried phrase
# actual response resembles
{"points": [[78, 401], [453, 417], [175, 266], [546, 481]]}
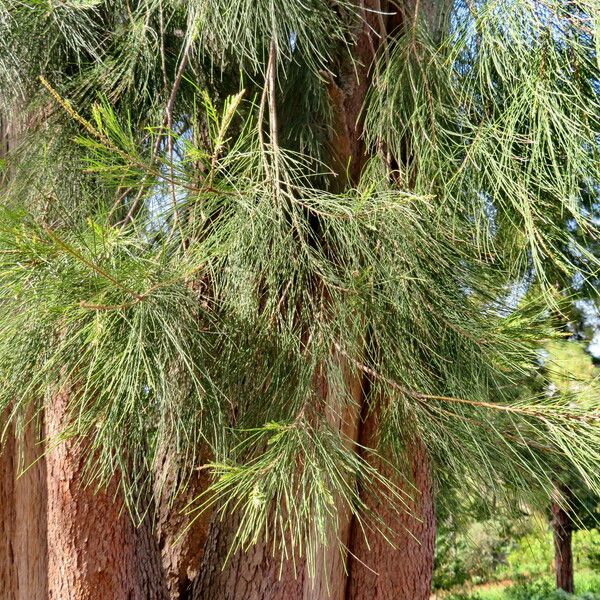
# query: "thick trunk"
{"points": [[403, 572], [562, 526], [94, 551], [400, 567]]}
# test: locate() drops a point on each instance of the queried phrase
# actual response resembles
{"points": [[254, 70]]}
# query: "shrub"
{"points": [[532, 556], [586, 547], [463, 596], [543, 590]]}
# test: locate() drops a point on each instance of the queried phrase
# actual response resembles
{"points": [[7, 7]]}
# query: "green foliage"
{"points": [[508, 549], [493, 114], [172, 251], [543, 590], [533, 556], [463, 596]]}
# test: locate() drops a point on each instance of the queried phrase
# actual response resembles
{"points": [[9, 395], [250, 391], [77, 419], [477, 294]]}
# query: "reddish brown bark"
{"points": [[23, 551], [347, 93], [562, 526], [8, 576], [94, 551], [402, 569], [30, 541], [23, 548]]}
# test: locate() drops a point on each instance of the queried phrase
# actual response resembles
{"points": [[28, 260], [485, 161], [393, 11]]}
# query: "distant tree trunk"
{"points": [[94, 551], [562, 526]]}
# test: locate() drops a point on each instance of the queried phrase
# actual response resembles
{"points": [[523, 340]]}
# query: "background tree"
{"points": [[278, 239]]}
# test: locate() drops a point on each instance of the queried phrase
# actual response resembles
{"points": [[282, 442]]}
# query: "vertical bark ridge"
{"points": [[253, 575], [23, 547], [377, 569], [181, 541], [30, 532], [8, 576]]}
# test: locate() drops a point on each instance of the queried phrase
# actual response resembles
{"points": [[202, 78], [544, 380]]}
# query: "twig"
{"points": [[168, 119], [420, 396], [261, 116], [89, 263]]}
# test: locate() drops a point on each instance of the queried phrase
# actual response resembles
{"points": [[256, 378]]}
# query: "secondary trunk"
{"points": [[401, 567], [562, 526], [402, 572], [23, 547], [30, 539], [94, 551]]}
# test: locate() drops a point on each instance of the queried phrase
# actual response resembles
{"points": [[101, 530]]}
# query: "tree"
{"points": [[570, 371], [275, 242]]}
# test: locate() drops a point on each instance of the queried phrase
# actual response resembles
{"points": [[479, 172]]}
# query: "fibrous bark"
{"points": [[94, 550], [23, 547], [400, 567], [8, 577], [30, 534]]}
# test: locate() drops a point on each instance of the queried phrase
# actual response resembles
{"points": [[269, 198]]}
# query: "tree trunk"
{"points": [[253, 575], [377, 569], [8, 576], [562, 526], [403, 572], [30, 541], [23, 549], [94, 551]]}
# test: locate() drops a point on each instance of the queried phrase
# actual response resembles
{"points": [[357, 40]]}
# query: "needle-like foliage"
{"points": [[173, 253]]}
